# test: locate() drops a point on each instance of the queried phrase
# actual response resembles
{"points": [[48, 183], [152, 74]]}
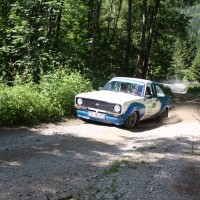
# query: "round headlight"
{"points": [[79, 101], [117, 108]]}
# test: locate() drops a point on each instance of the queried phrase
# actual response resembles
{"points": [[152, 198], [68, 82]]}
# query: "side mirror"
{"points": [[148, 96], [99, 88]]}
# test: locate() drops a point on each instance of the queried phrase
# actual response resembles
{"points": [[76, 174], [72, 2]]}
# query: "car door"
{"points": [[151, 102], [157, 106], [160, 96]]}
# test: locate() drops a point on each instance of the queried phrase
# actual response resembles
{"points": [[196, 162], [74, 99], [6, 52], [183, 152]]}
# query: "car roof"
{"points": [[132, 79]]}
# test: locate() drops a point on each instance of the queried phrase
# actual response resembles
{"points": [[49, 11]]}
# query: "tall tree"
{"points": [[95, 7], [128, 40], [142, 47], [150, 38]]}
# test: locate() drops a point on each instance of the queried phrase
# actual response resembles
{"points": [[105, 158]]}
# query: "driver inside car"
{"points": [[139, 90], [124, 87]]}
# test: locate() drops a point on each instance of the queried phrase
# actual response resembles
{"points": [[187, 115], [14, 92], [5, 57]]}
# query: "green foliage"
{"points": [[196, 67], [24, 105], [62, 87], [88, 36], [193, 88], [29, 103], [114, 168], [91, 37], [186, 64], [184, 54]]}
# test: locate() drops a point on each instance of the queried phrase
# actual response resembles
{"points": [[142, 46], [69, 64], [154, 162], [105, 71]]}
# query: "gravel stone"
{"points": [[93, 161]]}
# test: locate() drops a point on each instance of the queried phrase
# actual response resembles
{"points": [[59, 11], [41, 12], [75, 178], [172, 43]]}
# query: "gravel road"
{"points": [[78, 160]]}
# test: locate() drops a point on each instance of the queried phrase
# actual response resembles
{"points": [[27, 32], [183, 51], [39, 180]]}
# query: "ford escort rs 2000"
{"points": [[124, 101]]}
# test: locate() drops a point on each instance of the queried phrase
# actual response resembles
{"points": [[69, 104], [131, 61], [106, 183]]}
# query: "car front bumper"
{"points": [[118, 120]]}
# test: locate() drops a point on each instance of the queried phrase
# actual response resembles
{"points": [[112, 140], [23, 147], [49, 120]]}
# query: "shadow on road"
{"points": [[35, 165]]}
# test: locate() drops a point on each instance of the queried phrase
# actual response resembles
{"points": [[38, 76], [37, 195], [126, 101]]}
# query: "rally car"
{"points": [[124, 101]]}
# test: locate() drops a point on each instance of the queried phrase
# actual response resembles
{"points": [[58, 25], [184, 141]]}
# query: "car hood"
{"points": [[110, 96]]}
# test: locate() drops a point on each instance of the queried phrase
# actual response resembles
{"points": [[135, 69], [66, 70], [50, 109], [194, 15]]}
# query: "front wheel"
{"points": [[131, 121]]}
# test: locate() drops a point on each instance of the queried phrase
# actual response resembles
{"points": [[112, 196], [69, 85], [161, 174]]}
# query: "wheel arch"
{"points": [[135, 107], [132, 120]]}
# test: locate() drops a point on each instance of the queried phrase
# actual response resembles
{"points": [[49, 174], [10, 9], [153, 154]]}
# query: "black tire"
{"points": [[163, 116], [132, 121]]}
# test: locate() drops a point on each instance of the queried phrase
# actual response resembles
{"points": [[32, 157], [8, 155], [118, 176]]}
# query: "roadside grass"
{"points": [[193, 89], [114, 168]]}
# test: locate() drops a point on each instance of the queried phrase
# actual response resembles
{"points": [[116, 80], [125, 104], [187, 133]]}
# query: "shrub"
{"points": [[62, 87], [193, 88], [24, 105], [48, 101]]}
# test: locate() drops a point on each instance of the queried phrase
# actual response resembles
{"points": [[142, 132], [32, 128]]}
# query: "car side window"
{"points": [[148, 90], [159, 91], [154, 90]]}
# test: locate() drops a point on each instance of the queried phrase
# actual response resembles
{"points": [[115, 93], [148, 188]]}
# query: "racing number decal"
{"points": [[149, 109]]}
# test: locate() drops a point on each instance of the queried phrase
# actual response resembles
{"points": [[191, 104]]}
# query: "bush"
{"points": [[62, 87], [193, 88], [48, 101], [23, 105]]}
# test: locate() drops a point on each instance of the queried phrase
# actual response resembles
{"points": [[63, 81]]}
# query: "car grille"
{"points": [[100, 105]]}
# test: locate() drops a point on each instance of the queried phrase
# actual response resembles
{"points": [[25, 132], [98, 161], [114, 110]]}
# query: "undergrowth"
{"points": [[193, 89], [51, 100]]}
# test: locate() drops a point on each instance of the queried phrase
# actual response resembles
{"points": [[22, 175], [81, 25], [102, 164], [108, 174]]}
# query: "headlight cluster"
{"points": [[79, 101], [117, 108]]}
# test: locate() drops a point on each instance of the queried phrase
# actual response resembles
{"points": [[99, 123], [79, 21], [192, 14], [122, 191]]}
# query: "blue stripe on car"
{"points": [[135, 107]]}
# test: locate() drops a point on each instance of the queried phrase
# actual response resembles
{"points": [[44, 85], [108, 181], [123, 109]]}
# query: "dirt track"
{"points": [[69, 160]]}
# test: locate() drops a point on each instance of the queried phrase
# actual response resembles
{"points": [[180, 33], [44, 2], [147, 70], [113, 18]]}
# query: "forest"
{"points": [[152, 39], [90, 41]]}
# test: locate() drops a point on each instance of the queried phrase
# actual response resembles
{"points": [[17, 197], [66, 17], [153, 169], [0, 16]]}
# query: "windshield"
{"points": [[135, 88]]}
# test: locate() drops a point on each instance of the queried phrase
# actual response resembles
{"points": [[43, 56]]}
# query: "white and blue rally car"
{"points": [[124, 101]]}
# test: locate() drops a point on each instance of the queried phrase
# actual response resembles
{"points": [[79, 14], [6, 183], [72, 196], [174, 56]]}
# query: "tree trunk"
{"points": [[142, 48], [150, 38], [128, 40], [117, 19], [50, 26], [110, 19], [58, 25], [95, 29]]}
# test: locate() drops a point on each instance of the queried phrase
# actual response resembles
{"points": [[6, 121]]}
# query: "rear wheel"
{"points": [[131, 121]]}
